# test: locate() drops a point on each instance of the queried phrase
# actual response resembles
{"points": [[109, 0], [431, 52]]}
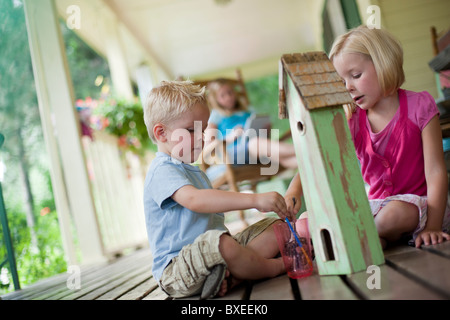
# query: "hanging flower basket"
{"points": [[121, 118]]}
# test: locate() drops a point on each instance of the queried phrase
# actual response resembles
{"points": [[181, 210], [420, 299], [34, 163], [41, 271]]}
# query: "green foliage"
{"points": [[48, 258], [125, 119], [38, 260], [263, 96], [85, 64], [34, 262]]}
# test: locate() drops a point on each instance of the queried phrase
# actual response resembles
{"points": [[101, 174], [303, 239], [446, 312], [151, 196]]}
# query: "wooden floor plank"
{"points": [[426, 267], [26, 293], [157, 294], [278, 288], [100, 277], [442, 249], [140, 291], [396, 250], [409, 273], [115, 278], [115, 288], [63, 288], [127, 286], [55, 288], [49, 287], [329, 287], [92, 283], [390, 285]]}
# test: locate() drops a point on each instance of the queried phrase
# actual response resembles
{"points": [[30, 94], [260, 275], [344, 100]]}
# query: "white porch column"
{"points": [[61, 129], [144, 81], [116, 59], [337, 18]]}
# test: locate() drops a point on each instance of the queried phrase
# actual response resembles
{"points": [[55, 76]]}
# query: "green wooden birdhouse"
{"points": [[342, 228]]}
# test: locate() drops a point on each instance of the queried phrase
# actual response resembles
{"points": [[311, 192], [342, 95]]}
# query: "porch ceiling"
{"points": [[195, 38]]}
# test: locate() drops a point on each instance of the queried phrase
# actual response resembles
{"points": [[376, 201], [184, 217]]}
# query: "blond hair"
{"points": [[169, 101], [381, 47], [212, 91]]}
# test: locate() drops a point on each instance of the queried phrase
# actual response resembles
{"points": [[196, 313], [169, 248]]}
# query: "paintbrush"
{"points": [[294, 222]]}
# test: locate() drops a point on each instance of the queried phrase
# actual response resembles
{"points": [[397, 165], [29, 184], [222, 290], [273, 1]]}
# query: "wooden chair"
{"points": [[230, 176], [439, 41], [441, 65], [441, 49]]}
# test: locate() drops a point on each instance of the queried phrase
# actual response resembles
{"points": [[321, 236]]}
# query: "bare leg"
{"points": [[246, 263], [395, 219], [265, 244], [264, 247]]}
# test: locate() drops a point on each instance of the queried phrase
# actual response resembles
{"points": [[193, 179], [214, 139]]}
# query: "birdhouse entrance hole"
{"points": [[327, 244], [301, 127]]}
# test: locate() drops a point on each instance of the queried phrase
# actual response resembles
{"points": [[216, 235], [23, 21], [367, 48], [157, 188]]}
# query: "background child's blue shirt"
{"points": [[169, 225], [225, 123], [238, 150]]}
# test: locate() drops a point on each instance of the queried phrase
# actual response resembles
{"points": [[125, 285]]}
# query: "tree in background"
{"points": [[19, 114], [27, 185], [89, 71]]}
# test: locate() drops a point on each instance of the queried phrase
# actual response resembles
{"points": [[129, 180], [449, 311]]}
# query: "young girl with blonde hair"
{"points": [[229, 115], [397, 137]]}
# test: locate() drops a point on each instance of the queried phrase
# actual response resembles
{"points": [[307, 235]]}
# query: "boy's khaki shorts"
{"points": [[187, 272]]}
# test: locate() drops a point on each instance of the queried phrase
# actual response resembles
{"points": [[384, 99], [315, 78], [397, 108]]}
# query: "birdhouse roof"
{"points": [[316, 80]]}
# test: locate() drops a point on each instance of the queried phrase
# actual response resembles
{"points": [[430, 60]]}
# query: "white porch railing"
{"points": [[117, 180]]}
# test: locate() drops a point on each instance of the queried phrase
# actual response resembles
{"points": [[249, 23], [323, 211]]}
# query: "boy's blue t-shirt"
{"points": [[169, 225]]}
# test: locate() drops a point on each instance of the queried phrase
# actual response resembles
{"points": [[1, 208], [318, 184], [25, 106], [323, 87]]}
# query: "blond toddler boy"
{"points": [[193, 252]]}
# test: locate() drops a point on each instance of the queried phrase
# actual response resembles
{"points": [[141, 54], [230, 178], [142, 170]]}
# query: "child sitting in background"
{"points": [[229, 116], [192, 249]]}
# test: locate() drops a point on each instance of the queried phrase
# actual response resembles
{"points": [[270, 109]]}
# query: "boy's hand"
{"points": [[272, 201]]}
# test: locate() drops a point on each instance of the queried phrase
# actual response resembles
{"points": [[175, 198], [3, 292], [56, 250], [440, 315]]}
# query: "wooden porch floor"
{"points": [[408, 274]]}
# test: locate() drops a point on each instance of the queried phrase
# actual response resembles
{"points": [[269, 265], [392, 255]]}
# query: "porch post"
{"points": [[144, 81], [115, 55], [72, 189]]}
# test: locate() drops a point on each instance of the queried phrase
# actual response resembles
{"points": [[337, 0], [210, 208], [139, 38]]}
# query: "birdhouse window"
{"points": [[301, 127], [327, 245]]}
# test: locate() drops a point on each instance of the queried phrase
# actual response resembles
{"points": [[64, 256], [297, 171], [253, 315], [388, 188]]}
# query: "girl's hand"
{"points": [[428, 237], [293, 205], [293, 197], [271, 201]]}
